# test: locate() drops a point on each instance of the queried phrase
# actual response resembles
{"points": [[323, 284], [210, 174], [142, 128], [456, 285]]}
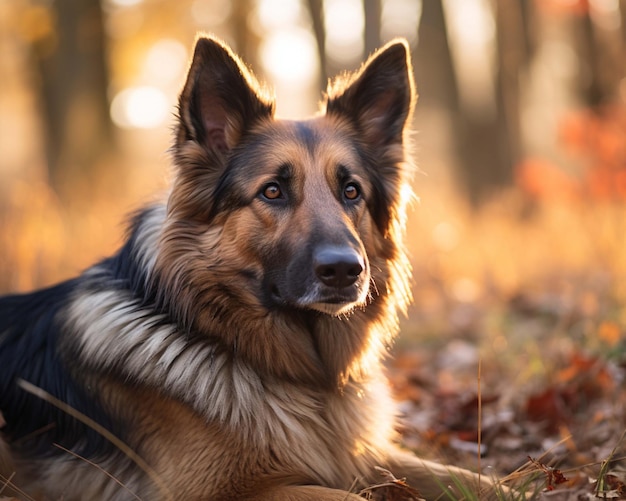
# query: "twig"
{"points": [[7, 483], [131, 454], [480, 415], [112, 477]]}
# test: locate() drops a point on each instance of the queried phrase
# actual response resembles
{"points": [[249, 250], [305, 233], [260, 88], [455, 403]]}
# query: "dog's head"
{"points": [[285, 215]]}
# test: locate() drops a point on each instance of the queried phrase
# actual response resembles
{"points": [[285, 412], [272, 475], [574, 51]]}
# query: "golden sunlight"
{"points": [[141, 107], [400, 18], [289, 55], [345, 24], [124, 3], [165, 62]]}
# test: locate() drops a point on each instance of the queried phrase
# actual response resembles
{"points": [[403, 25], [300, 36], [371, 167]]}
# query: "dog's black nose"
{"points": [[337, 266]]}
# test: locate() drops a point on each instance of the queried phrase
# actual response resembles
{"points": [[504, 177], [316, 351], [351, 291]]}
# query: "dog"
{"points": [[231, 349]]}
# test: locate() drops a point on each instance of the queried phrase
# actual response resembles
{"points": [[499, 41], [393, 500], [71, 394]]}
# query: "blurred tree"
{"points": [[372, 10], [372, 13], [487, 141], [74, 91], [597, 34], [602, 58], [436, 81], [316, 11], [622, 11], [512, 58]]}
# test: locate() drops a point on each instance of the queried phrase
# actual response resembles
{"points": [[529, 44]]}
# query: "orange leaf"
{"points": [[609, 332]]}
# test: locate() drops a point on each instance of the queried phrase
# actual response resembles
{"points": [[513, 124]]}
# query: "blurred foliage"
{"points": [[521, 127]]}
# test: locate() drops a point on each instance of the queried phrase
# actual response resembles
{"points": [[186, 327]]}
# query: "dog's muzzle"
{"points": [[332, 279]]}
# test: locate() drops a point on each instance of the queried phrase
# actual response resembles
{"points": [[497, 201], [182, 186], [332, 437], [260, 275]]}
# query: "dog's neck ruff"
{"points": [[116, 332]]}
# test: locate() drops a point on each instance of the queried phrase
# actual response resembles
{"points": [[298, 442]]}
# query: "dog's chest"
{"points": [[330, 437], [283, 432]]}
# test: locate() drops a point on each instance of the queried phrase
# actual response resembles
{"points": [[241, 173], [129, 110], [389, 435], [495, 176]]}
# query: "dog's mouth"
{"points": [[330, 301], [335, 305]]}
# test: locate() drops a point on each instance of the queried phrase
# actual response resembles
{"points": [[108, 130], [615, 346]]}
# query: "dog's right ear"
{"points": [[221, 99]]}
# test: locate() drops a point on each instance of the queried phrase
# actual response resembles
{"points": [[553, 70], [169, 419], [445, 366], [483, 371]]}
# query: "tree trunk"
{"points": [[316, 10], [434, 71], [74, 92], [488, 144], [372, 11]]}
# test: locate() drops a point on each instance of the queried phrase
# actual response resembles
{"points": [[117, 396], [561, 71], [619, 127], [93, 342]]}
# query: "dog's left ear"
{"points": [[221, 99], [380, 97]]}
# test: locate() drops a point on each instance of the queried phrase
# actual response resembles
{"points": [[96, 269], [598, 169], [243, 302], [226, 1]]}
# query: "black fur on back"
{"points": [[32, 327]]}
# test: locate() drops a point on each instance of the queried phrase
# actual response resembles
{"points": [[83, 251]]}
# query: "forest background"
{"points": [[515, 344]]}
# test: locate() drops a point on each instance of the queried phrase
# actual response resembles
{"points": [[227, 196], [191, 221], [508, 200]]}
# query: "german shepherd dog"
{"points": [[231, 349]]}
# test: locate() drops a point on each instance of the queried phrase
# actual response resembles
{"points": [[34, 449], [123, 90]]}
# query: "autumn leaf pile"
{"points": [[529, 386]]}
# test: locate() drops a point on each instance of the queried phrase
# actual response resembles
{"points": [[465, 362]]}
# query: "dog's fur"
{"points": [[234, 342]]}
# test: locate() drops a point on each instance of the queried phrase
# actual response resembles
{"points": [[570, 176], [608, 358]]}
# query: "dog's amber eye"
{"points": [[351, 191], [272, 191]]}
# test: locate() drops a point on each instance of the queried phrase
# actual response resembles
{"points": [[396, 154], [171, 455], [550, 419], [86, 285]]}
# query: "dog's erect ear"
{"points": [[380, 97], [221, 99]]}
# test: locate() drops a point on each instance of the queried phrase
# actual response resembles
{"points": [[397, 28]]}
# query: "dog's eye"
{"points": [[351, 191], [272, 191]]}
